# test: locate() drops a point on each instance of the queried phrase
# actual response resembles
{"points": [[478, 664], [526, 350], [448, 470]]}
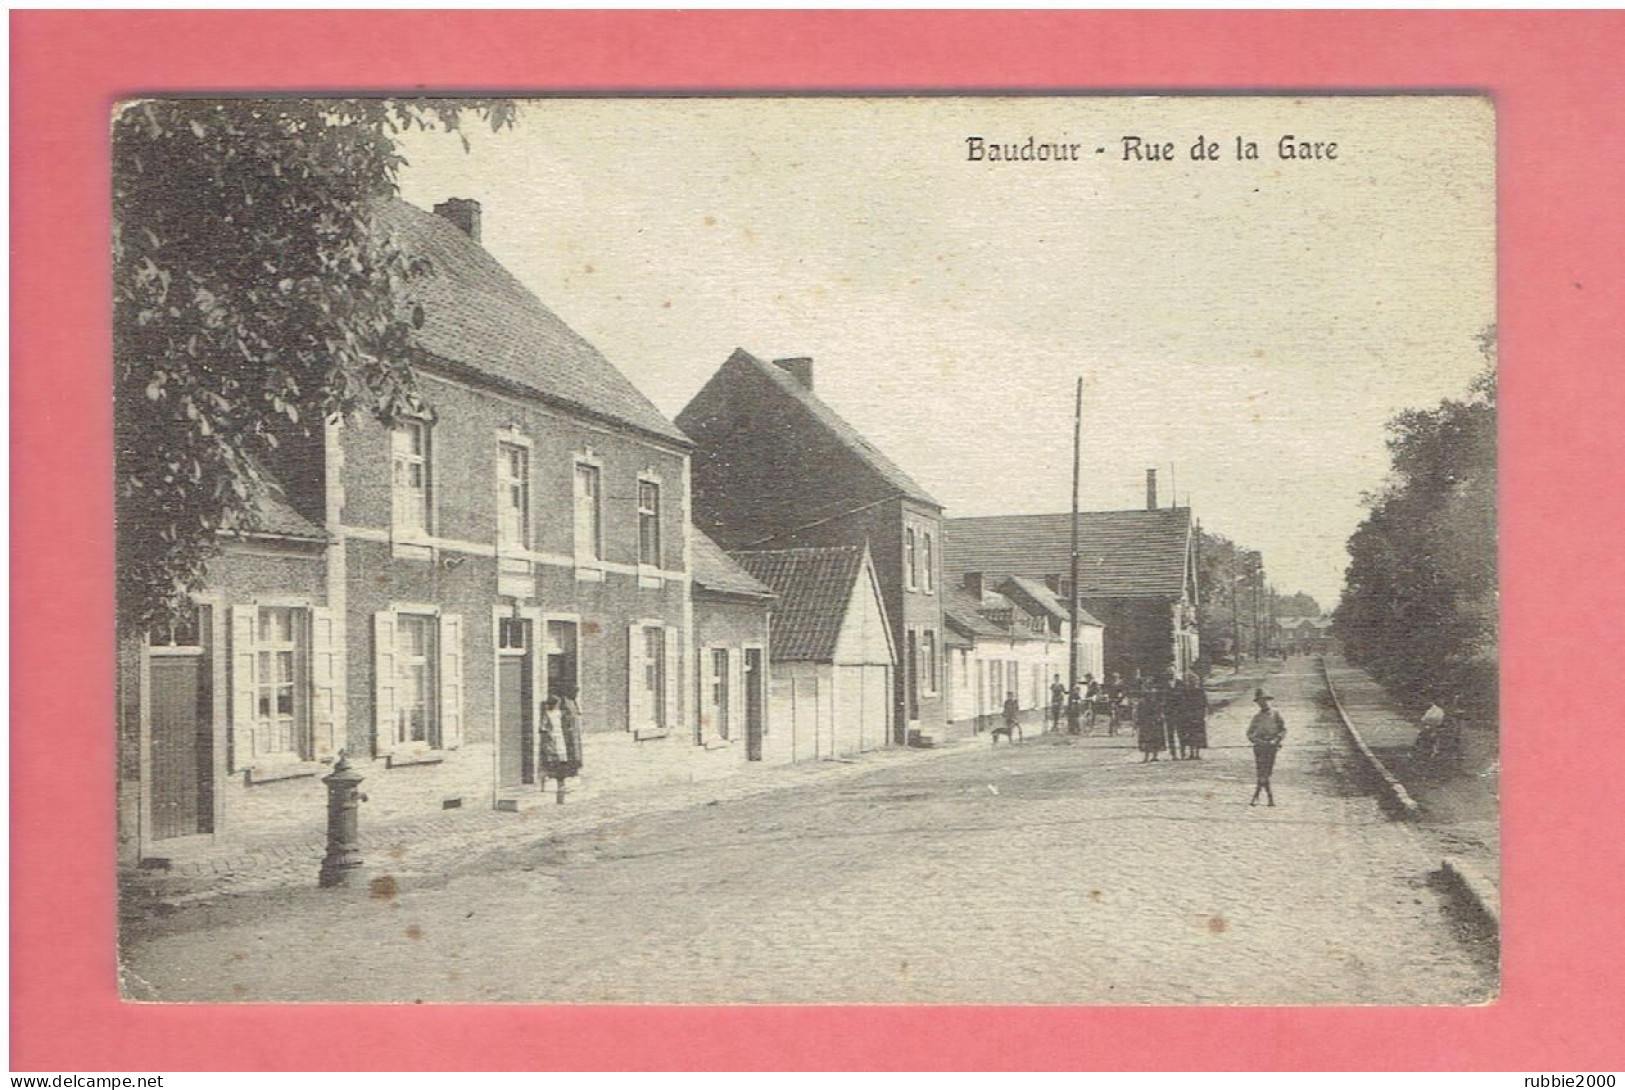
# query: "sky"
{"points": [[1244, 326]]}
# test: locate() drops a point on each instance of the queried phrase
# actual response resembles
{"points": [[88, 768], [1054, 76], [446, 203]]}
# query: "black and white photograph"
{"points": [[942, 549]]}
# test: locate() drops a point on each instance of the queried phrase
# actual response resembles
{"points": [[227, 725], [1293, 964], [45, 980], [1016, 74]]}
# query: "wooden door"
{"points": [[516, 742], [755, 700], [182, 745]]}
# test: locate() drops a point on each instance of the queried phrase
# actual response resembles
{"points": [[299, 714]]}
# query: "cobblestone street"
{"points": [[1058, 871]]}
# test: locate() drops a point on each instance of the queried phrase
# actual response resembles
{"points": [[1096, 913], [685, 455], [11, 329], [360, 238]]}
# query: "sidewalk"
{"points": [[1459, 800], [444, 840]]}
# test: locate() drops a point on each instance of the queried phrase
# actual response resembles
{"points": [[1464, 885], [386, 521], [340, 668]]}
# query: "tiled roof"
{"points": [[815, 590], [276, 518], [1040, 595], [1127, 554], [477, 315], [963, 612], [848, 436], [715, 570]]}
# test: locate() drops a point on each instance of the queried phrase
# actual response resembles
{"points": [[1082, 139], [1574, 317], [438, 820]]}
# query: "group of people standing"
{"points": [[1170, 714]]}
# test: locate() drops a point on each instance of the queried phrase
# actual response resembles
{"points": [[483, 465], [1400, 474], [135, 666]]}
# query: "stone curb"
{"points": [[1475, 887], [1391, 786]]}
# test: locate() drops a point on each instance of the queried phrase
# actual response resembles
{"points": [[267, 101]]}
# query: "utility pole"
{"points": [[1077, 461]]}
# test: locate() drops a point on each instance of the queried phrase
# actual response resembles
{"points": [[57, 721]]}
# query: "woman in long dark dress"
{"points": [[1193, 719], [1148, 723], [560, 740]]}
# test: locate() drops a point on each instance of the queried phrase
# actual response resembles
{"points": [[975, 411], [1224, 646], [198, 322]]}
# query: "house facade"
{"points": [[1012, 639], [420, 590], [775, 468], [1136, 575], [732, 634], [832, 654]]}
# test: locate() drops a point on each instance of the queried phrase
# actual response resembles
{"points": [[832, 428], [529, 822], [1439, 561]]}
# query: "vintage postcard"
{"points": [[816, 550]]}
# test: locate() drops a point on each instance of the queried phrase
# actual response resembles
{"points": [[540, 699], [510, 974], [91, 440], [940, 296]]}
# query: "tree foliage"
{"points": [[254, 298], [1419, 606]]}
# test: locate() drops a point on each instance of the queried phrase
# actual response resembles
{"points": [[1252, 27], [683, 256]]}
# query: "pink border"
{"points": [[1557, 81]]}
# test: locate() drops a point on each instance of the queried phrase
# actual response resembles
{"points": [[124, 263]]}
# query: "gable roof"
{"points": [[1043, 598], [814, 588], [714, 570], [776, 381], [274, 516], [1121, 554], [476, 315], [962, 612]]}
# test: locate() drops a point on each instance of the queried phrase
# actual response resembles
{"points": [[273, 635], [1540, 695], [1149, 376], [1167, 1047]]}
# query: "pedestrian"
{"points": [[1266, 732], [1116, 701], [1193, 718], [1012, 720], [1148, 723], [1074, 712], [1057, 702], [560, 740]]}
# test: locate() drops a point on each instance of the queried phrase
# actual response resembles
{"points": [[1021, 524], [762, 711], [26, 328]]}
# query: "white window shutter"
{"points": [[384, 671], [325, 671], [243, 620], [636, 717], [451, 680], [673, 678], [736, 701]]}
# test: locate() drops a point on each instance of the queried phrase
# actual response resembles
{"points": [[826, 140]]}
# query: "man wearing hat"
{"points": [[1266, 732]]}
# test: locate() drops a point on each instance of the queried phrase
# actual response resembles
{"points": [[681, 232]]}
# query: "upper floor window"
{"points": [[589, 511], [928, 670], [926, 576], [513, 496], [910, 559], [649, 523], [409, 457]]}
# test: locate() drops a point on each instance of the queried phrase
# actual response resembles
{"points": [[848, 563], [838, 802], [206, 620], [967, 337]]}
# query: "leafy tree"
{"points": [[1420, 595], [254, 298], [1226, 576], [1296, 605]]}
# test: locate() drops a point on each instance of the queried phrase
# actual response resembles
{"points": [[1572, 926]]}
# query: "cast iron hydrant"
{"points": [[344, 800]]}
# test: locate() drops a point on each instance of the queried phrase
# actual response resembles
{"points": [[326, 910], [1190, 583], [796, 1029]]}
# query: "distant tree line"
{"points": [[1419, 606], [1237, 605]]}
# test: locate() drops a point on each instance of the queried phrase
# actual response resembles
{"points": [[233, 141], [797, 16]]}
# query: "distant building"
{"points": [[1303, 635], [832, 656], [1009, 640], [1136, 574], [776, 468]]}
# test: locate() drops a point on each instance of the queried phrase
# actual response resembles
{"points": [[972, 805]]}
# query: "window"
{"points": [[930, 668], [589, 514], [409, 447], [415, 719], [649, 524], [719, 690], [513, 496], [280, 709], [909, 560], [654, 675], [930, 564]]}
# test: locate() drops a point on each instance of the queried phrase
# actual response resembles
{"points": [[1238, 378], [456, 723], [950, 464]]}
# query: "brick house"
{"points": [[832, 652], [776, 468], [1136, 574], [422, 589], [732, 621]]}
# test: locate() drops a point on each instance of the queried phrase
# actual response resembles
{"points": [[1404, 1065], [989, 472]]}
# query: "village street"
{"points": [[1057, 871]]}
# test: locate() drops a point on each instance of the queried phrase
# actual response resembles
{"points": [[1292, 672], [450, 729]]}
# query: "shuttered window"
{"points": [[418, 670], [589, 512], [927, 577]]}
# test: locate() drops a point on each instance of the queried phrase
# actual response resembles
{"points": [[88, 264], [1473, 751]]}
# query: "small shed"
{"points": [[832, 656]]}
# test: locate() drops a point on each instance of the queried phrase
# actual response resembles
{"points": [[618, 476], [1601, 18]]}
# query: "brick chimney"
{"points": [[1150, 490], [973, 584], [462, 211], [801, 367]]}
